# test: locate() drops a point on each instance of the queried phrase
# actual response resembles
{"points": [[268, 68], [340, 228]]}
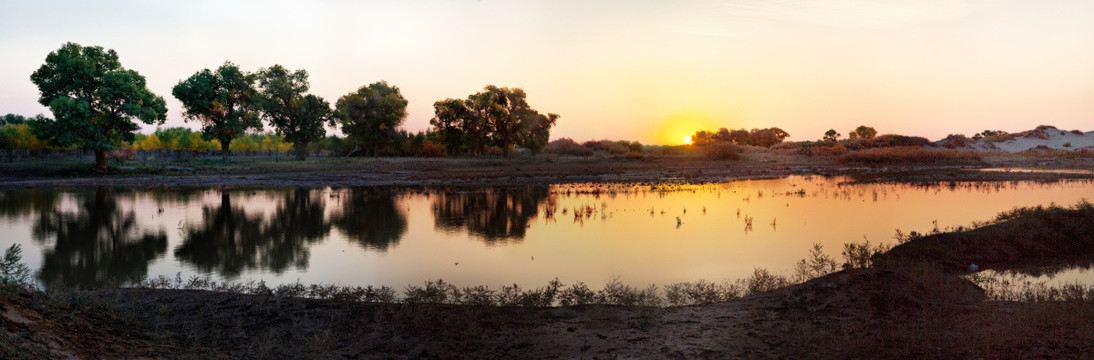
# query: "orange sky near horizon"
{"points": [[647, 71]]}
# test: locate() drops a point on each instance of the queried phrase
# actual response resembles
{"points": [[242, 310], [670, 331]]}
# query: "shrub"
{"points": [[907, 154], [817, 264], [954, 141], [13, 273], [830, 150], [431, 149], [721, 151], [762, 281], [567, 146], [888, 140]]}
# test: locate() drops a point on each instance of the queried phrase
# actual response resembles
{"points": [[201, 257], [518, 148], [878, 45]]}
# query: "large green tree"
{"points": [[495, 116], [371, 114], [94, 100], [294, 115], [224, 101]]}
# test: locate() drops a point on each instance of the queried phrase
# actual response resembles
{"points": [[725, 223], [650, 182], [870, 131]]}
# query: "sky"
{"points": [[650, 71]]}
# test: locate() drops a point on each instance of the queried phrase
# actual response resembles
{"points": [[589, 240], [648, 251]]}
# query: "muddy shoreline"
{"points": [[494, 172]]}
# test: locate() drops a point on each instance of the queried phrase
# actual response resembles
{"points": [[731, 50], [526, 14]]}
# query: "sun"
{"points": [[687, 140]]}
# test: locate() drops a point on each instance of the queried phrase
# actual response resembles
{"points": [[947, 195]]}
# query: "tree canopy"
{"points": [[831, 136], [756, 137], [497, 116], [297, 117], [371, 114], [93, 99], [862, 132], [224, 101]]}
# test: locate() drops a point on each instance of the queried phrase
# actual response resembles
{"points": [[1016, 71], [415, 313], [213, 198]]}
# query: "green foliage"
{"points": [[224, 101], [19, 136], [13, 119], [13, 273], [371, 114], [94, 100], [297, 117]]}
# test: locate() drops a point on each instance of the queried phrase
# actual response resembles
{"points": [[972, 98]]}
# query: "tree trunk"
{"points": [[301, 150], [224, 150], [100, 160]]}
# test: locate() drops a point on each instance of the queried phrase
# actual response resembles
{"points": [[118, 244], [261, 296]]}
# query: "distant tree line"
{"points": [[95, 101], [755, 137]]}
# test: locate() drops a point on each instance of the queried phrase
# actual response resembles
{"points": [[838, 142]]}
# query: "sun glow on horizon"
{"points": [[687, 140]]}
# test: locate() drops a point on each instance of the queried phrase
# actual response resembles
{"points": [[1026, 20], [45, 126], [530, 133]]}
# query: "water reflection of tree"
{"points": [[371, 218], [229, 240], [16, 203], [226, 242], [497, 215], [296, 224], [98, 243]]}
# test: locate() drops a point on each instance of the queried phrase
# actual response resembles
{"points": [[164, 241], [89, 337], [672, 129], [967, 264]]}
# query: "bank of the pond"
{"points": [[520, 171]]}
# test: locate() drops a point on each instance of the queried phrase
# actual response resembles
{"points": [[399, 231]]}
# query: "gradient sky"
{"points": [[651, 71]]}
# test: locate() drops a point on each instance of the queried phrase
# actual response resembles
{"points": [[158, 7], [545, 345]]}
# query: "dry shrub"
{"points": [[763, 280], [830, 150], [909, 154], [887, 140], [1050, 153], [431, 149], [721, 151], [567, 146], [954, 141], [124, 152]]}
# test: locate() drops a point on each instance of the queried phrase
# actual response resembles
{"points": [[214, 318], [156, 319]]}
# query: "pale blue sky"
{"points": [[640, 70]]}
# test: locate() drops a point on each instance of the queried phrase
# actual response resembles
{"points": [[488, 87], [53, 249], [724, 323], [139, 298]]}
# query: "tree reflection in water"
{"points": [[97, 244], [229, 240], [497, 215], [370, 218], [17, 204]]}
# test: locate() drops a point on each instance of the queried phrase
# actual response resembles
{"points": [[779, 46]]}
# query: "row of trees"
{"points": [[860, 133], [95, 100], [755, 137]]}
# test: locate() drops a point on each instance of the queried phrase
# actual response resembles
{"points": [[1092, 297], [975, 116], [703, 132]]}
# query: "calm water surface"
{"points": [[490, 236]]}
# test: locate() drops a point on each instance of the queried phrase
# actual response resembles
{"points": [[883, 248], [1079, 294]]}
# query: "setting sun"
{"points": [[687, 140]]}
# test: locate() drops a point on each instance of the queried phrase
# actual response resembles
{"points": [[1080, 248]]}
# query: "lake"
{"points": [[640, 234]]}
